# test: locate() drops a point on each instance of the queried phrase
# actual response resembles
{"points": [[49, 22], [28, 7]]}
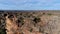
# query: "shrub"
{"points": [[2, 31], [49, 14], [31, 30], [20, 21], [36, 19]]}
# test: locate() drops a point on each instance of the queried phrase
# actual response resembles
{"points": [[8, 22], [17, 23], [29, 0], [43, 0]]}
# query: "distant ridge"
{"points": [[29, 10]]}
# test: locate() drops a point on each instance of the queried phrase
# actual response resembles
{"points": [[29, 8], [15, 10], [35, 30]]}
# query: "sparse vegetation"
{"points": [[33, 20], [31, 30], [5, 15], [43, 13], [36, 19], [20, 21], [10, 16], [2, 26], [41, 30], [2, 31], [49, 14]]}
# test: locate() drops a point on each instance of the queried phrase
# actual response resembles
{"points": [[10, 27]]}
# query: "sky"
{"points": [[29, 4]]}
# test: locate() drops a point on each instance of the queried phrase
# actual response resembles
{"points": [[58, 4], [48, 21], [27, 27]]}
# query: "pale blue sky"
{"points": [[29, 4]]}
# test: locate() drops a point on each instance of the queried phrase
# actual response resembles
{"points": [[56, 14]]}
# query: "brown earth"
{"points": [[32, 22]]}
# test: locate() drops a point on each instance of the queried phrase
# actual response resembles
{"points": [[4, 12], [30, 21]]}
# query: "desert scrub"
{"points": [[27, 15], [20, 13], [43, 13], [37, 19], [2, 31], [21, 33], [5, 15], [11, 16], [20, 21], [41, 30], [31, 30], [2, 27], [49, 14], [33, 13]]}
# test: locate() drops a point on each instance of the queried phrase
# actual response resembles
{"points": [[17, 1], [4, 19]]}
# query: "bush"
{"points": [[2, 26], [2, 31], [36, 19], [20, 21], [31, 30], [49, 14]]}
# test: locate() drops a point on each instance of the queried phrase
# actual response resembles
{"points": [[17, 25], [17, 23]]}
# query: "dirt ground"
{"points": [[31, 22]]}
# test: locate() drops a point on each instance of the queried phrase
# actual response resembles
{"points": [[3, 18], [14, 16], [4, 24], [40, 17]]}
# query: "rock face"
{"points": [[32, 23]]}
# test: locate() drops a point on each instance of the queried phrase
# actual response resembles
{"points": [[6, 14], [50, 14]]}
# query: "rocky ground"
{"points": [[30, 22]]}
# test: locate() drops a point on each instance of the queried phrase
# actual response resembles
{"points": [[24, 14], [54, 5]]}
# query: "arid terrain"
{"points": [[29, 22]]}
